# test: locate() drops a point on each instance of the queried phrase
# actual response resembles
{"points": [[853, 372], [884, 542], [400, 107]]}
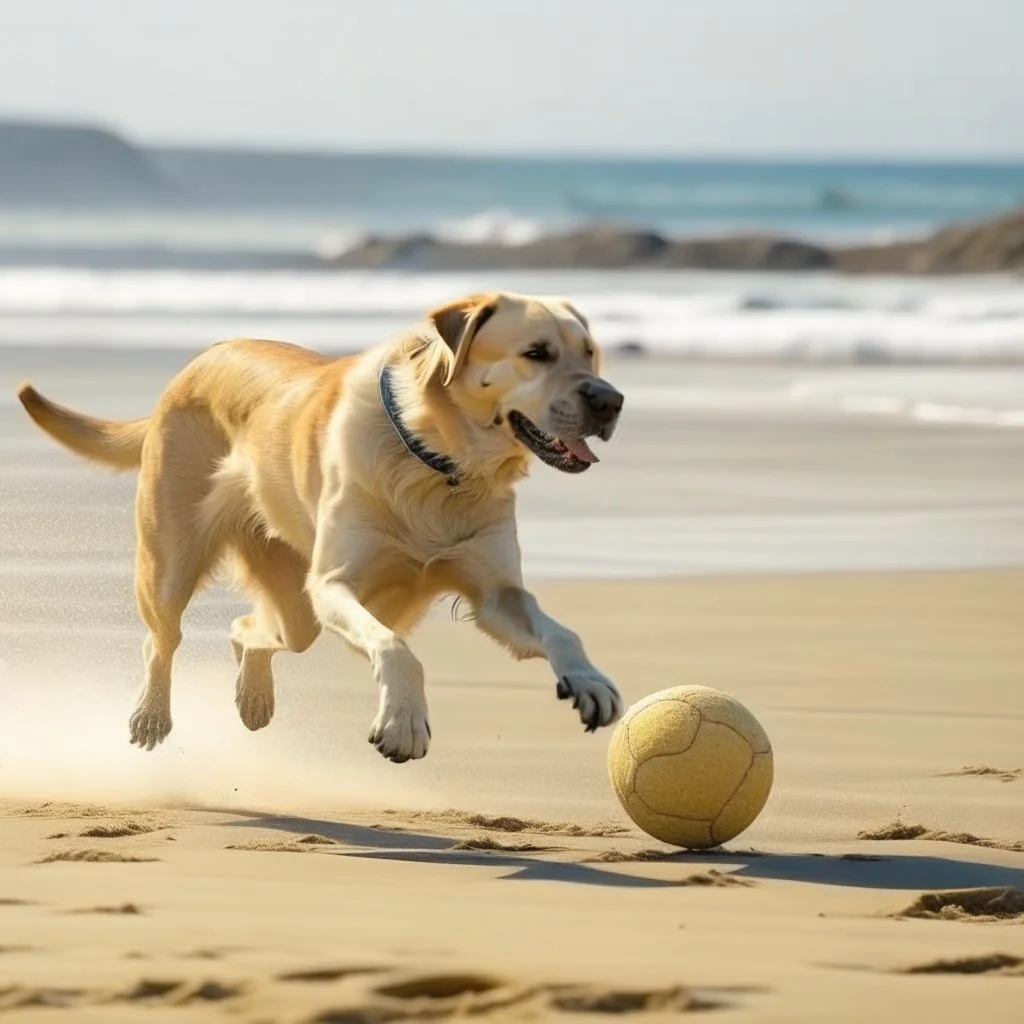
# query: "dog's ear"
{"points": [[576, 313], [457, 324]]}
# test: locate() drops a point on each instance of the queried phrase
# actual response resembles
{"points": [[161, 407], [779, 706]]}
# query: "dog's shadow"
{"points": [[400, 845], [879, 871]]}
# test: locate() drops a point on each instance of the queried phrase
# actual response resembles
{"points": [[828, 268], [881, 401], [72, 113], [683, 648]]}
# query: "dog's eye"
{"points": [[540, 354]]}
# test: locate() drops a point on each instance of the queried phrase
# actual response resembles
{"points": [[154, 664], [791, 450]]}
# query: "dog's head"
{"points": [[529, 367]]}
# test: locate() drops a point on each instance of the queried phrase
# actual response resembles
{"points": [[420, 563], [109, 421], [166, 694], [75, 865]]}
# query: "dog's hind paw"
{"points": [[254, 688], [255, 705], [593, 696], [149, 726]]}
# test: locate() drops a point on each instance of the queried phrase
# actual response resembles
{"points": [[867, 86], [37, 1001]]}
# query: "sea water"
{"points": [[179, 272]]}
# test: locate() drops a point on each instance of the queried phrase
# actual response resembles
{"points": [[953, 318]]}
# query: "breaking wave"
{"points": [[695, 315]]}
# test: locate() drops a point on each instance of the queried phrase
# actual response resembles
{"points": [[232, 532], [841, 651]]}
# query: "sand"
{"points": [[511, 884], [294, 876]]}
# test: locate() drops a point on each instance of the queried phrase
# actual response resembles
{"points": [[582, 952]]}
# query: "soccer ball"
{"points": [[691, 766]]}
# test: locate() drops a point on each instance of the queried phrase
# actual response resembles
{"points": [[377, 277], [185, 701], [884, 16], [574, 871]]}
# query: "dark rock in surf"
{"points": [[990, 247], [597, 248]]}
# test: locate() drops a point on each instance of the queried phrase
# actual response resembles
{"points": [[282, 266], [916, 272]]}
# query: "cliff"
{"points": [[50, 164]]}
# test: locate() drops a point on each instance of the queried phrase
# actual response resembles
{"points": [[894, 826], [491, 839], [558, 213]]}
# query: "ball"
{"points": [[691, 766]]}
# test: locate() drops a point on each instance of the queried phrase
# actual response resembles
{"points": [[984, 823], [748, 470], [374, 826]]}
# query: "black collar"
{"points": [[435, 460]]}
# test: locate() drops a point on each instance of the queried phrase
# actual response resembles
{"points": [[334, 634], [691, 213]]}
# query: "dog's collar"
{"points": [[434, 460]]}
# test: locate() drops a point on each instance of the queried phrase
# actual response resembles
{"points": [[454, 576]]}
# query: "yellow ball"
{"points": [[691, 766]]}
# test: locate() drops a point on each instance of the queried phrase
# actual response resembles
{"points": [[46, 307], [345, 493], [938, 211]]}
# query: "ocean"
{"points": [[210, 244], [873, 431], [295, 201]]}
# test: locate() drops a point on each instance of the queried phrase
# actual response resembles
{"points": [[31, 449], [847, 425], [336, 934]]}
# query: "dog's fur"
{"points": [[284, 463]]}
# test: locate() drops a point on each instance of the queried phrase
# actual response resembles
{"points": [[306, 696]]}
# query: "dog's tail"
{"points": [[115, 443]]}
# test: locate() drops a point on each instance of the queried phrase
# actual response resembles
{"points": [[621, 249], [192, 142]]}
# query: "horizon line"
{"points": [[524, 153]]}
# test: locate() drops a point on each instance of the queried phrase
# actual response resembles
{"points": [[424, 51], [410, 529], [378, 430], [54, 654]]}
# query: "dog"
{"points": [[351, 493]]}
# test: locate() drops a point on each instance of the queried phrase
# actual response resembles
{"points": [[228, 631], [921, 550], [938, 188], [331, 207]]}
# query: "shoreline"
{"points": [[716, 469]]}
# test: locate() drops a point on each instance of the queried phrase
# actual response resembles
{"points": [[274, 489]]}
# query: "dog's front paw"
{"points": [[595, 697], [149, 725], [402, 733]]}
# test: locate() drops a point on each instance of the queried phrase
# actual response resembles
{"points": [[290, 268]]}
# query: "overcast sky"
{"points": [[771, 77]]}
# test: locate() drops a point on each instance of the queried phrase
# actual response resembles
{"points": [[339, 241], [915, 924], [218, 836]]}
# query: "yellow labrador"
{"points": [[351, 493]]}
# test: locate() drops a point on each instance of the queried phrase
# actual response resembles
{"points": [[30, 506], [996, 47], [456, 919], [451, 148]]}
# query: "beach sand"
{"points": [[294, 876]]}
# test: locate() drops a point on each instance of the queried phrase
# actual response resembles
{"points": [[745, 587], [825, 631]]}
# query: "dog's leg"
{"points": [[254, 640], [343, 552], [283, 620], [173, 554], [510, 614]]}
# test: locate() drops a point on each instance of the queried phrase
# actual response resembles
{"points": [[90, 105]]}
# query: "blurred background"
{"points": [[713, 180], [794, 226], [802, 211]]}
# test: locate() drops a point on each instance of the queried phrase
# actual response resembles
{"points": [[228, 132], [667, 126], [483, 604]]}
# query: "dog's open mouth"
{"points": [[569, 456]]}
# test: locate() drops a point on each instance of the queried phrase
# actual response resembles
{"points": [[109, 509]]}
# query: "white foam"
{"points": [[803, 318], [933, 412], [986, 398], [65, 291], [497, 227], [877, 405], [203, 231], [658, 398]]}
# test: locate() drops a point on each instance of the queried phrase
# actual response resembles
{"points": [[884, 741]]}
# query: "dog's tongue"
{"points": [[580, 449]]}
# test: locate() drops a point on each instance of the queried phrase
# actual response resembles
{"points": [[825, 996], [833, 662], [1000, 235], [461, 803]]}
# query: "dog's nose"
{"points": [[603, 401]]}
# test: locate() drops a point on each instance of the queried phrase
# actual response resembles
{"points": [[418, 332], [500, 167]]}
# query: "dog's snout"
{"points": [[603, 401]]}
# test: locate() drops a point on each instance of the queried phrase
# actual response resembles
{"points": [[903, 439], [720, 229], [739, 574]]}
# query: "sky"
{"points": [[885, 78]]}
